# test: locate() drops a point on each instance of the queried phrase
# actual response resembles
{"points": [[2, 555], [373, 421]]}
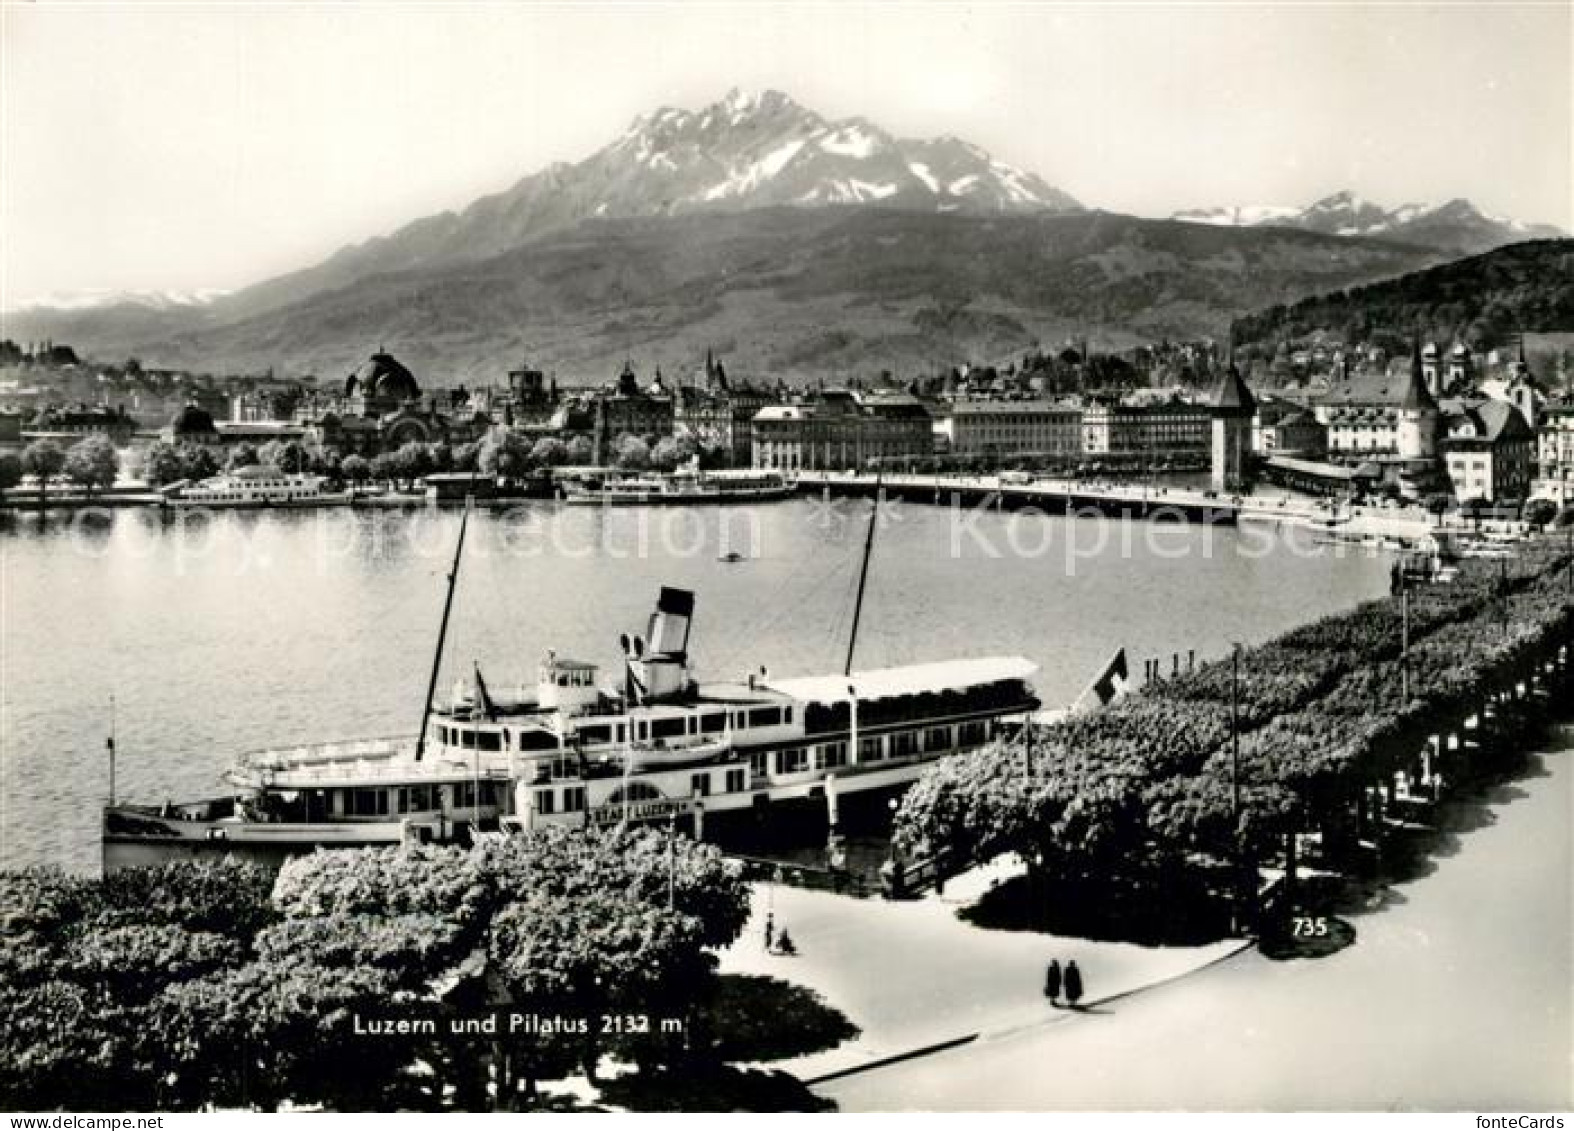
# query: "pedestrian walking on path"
{"points": [[770, 929], [1073, 984], [1052, 982]]}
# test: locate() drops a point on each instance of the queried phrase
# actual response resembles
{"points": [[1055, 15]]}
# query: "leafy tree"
{"points": [[355, 468], [600, 954], [43, 460], [93, 462], [439, 456], [83, 964], [162, 464], [287, 456], [196, 462], [632, 453], [465, 457], [549, 451], [671, 451], [413, 460], [504, 453], [325, 461], [10, 470], [1540, 512], [581, 452], [243, 455]]}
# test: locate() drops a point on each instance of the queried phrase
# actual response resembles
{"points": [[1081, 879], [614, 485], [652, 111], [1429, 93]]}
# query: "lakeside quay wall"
{"points": [[1156, 502], [1073, 499]]}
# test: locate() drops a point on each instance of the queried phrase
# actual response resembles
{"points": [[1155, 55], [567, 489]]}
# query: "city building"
{"points": [[381, 408], [629, 410], [834, 431], [1283, 427], [1555, 453], [1365, 414], [191, 425], [1161, 432], [1486, 449], [68, 424], [718, 412], [1011, 428]]}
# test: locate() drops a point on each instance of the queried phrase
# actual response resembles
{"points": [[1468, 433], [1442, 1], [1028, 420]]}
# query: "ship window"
{"points": [[669, 728], [574, 799], [831, 755], [713, 724], [970, 734], [368, 802], [757, 763], [937, 738], [792, 761], [765, 716], [735, 781], [489, 740], [537, 740], [699, 785], [870, 750], [903, 743], [544, 802], [595, 735], [464, 795]]}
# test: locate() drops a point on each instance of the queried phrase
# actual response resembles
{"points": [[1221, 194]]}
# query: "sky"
{"points": [[189, 146]]}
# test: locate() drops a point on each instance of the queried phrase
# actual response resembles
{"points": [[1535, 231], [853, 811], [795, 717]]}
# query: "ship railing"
{"points": [[340, 750], [352, 773]]}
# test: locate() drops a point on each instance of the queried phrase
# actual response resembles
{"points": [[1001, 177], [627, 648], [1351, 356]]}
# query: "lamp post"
{"points": [[1235, 784], [1404, 636], [672, 855]]}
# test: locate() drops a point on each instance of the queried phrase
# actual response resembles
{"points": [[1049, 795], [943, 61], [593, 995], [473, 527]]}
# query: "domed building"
{"points": [[193, 424], [383, 407], [381, 385]]}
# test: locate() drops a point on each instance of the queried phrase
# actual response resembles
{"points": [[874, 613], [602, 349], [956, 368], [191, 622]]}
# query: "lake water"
{"points": [[226, 633]]}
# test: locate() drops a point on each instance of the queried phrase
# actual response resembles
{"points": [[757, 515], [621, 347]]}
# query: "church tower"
{"points": [[1232, 408], [1418, 415], [1522, 386]]}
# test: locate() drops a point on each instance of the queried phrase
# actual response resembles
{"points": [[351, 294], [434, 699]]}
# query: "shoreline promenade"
{"points": [[1456, 995]]}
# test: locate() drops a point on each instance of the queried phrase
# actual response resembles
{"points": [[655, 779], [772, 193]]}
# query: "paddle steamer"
{"points": [[651, 744]]}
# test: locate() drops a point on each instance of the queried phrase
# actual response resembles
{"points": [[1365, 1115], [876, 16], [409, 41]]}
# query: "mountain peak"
{"points": [[747, 150], [756, 149], [1454, 226]]}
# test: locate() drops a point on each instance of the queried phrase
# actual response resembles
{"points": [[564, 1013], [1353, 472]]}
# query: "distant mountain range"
{"points": [[799, 244], [1456, 226], [793, 292], [746, 151]]}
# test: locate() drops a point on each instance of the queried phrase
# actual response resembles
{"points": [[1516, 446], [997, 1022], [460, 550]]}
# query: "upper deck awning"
{"points": [[911, 679]]}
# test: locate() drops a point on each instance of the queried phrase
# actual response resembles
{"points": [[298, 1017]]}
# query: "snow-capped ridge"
{"points": [[1455, 225]]}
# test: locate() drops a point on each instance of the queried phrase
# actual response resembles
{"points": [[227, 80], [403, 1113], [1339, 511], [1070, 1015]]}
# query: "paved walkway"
{"points": [[911, 974], [1456, 996]]}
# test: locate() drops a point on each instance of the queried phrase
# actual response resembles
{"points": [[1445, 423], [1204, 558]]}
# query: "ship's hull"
{"points": [[136, 837], [261, 504], [676, 498]]}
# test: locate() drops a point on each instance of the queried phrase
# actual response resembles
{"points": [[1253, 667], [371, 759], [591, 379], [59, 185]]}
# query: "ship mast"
{"points": [[442, 634], [863, 574]]}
